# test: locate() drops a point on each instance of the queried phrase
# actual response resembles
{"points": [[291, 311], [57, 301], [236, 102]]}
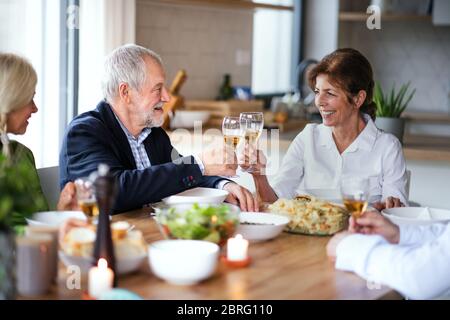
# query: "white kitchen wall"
{"points": [[207, 42], [321, 28], [402, 51]]}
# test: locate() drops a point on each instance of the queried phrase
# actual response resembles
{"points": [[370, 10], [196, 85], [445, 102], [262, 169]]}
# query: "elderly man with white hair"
{"points": [[124, 133]]}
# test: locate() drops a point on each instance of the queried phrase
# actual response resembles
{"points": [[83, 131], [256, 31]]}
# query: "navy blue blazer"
{"points": [[96, 137]]}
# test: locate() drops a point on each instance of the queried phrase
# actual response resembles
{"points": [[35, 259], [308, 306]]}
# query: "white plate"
{"points": [[331, 195], [198, 195], [124, 266], [417, 216], [269, 225], [54, 218]]}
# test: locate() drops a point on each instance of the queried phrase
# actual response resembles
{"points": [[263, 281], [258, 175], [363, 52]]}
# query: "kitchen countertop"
{"points": [[427, 117], [432, 148], [415, 147]]}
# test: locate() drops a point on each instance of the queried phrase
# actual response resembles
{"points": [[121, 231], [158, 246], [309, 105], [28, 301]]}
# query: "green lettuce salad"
{"points": [[209, 223]]}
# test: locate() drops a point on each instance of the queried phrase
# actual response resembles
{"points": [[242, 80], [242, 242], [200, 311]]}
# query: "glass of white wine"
{"points": [[232, 133], [86, 198], [355, 195], [231, 130], [252, 124]]}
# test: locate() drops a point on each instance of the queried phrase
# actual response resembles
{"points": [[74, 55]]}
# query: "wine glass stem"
{"points": [[258, 195]]}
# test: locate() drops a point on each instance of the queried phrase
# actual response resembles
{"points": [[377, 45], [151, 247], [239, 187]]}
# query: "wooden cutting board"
{"points": [[176, 100]]}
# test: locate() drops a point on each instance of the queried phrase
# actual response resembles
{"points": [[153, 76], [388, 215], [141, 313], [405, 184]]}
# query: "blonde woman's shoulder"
{"points": [[21, 151]]}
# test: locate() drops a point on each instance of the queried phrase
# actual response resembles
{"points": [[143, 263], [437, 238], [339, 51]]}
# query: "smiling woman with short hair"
{"points": [[346, 144]]}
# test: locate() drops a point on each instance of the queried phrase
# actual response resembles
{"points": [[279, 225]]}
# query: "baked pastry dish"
{"points": [[309, 215]]}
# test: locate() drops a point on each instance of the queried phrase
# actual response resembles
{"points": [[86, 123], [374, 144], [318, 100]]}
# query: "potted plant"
{"points": [[17, 180], [390, 107]]}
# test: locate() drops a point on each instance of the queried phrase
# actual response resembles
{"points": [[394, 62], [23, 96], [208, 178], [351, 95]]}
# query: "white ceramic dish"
{"points": [[417, 216], [331, 195], [54, 218], [187, 118], [183, 262], [124, 266], [265, 226], [198, 195]]}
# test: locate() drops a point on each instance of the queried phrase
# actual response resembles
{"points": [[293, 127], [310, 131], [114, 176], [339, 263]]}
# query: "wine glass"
{"points": [[231, 130], [86, 198], [355, 195], [252, 124], [232, 133]]}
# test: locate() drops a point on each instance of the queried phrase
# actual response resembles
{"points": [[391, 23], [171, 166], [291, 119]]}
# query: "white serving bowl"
{"points": [[331, 195], [183, 262], [54, 218], [417, 216], [266, 226], [187, 119], [198, 195], [123, 266]]}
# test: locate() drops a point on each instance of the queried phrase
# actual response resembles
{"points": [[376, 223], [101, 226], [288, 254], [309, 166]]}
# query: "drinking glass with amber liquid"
{"points": [[252, 124], [231, 130], [355, 195], [232, 133], [86, 198]]}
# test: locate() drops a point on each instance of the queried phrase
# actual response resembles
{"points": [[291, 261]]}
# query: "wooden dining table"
{"points": [[289, 267]]}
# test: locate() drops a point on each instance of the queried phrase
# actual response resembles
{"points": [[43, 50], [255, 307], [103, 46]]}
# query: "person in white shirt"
{"points": [[346, 144], [414, 260]]}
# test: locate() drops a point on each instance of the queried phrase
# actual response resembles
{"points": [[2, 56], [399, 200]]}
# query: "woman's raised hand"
{"points": [[252, 160]]}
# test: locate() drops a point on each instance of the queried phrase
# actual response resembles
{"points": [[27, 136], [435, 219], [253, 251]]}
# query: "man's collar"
{"points": [[140, 138]]}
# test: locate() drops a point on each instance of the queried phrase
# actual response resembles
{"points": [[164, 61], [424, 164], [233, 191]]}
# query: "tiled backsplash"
{"points": [[207, 42], [407, 51]]}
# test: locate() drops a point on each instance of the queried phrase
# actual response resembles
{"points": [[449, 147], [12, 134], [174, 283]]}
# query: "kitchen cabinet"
{"points": [[355, 11], [233, 4], [441, 13]]}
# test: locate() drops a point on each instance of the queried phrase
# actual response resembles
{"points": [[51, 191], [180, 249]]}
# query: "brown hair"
{"points": [[349, 70]]}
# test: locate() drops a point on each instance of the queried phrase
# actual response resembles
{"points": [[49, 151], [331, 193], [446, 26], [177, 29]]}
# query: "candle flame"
{"points": [[214, 219], [102, 264]]}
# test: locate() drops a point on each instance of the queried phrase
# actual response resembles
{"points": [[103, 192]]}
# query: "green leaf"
{"points": [[393, 104]]}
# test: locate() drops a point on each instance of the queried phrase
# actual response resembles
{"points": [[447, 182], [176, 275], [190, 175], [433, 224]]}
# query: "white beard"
{"points": [[151, 121]]}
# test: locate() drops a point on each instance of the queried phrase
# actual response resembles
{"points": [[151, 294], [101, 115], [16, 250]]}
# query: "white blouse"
{"points": [[314, 162]]}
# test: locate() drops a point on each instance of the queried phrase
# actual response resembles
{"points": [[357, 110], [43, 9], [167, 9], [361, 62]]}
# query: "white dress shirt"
{"points": [[418, 268], [314, 162]]}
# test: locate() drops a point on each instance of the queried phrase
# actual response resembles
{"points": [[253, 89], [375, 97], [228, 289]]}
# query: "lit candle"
{"points": [[237, 248], [100, 279]]}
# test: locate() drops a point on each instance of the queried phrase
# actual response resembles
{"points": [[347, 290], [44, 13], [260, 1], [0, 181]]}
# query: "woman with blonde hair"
{"points": [[18, 81]]}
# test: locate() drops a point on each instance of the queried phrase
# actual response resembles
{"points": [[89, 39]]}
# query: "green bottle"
{"points": [[226, 90]]}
